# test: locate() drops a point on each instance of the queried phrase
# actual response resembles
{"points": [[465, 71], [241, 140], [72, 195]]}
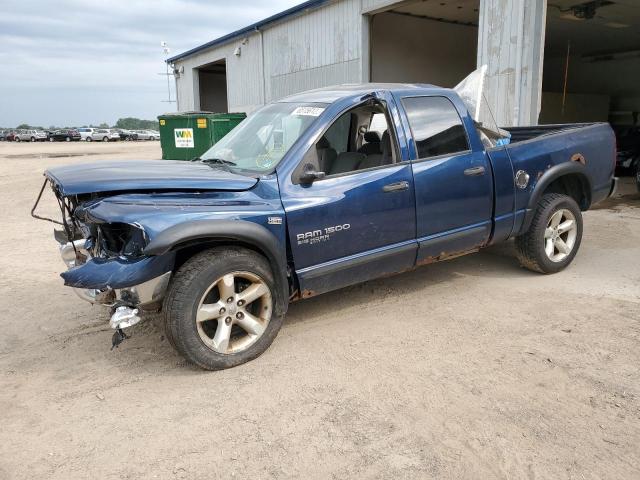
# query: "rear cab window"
{"points": [[436, 126]]}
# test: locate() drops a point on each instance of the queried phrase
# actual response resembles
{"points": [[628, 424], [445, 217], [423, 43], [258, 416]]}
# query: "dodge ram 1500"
{"points": [[315, 192]]}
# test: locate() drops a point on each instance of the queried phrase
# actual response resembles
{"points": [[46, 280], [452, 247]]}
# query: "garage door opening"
{"points": [[212, 80], [424, 42], [592, 62]]}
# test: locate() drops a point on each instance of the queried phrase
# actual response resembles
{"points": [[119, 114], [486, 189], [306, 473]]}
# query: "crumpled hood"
{"points": [[141, 175]]}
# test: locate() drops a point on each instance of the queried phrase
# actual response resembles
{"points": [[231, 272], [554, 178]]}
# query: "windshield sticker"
{"points": [[308, 111]]}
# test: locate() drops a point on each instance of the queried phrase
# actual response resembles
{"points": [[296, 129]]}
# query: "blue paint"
{"points": [[356, 230], [100, 273], [155, 175]]}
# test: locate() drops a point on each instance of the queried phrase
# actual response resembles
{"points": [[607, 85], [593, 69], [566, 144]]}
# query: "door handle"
{"points": [[474, 171], [396, 187]]}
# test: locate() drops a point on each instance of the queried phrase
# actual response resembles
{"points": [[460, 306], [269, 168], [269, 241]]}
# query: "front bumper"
{"points": [[140, 282], [147, 295]]}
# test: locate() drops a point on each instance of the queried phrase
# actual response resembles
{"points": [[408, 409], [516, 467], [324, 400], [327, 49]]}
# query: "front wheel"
{"points": [[554, 236], [220, 308], [89, 139], [67, 139]]}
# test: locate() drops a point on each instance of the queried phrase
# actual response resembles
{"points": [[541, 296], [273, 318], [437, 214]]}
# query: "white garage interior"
{"points": [[212, 87], [424, 42], [592, 62]]}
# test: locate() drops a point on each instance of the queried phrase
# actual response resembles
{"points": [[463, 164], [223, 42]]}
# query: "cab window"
{"points": [[359, 139], [436, 126]]}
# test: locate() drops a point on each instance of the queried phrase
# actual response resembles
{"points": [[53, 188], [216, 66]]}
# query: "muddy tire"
{"points": [[554, 236], [219, 311]]}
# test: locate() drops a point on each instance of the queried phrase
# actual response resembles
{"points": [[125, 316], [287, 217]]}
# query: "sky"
{"points": [[73, 63]]}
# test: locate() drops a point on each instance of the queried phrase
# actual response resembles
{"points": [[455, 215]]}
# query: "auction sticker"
{"points": [[308, 111], [183, 137]]}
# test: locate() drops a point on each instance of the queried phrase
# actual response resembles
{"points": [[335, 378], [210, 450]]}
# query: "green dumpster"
{"points": [[184, 136]]}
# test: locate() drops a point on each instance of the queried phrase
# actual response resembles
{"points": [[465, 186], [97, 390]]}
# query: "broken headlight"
{"points": [[120, 239]]}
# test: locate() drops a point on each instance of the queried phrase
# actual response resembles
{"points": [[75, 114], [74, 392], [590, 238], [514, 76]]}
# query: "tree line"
{"points": [[128, 123]]}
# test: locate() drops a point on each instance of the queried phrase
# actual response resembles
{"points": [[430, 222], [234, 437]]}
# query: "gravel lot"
{"points": [[468, 369]]}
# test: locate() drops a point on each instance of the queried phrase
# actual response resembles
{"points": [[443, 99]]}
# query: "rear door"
{"points": [[453, 181], [358, 222]]}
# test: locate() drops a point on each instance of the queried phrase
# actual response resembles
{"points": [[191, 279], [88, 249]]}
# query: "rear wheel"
{"points": [[219, 312], [16, 139], [89, 139], [554, 236], [33, 139], [105, 139]]}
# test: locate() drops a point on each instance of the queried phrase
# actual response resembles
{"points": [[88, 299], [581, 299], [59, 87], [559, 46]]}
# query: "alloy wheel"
{"points": [[560, 235], [234, 312]]}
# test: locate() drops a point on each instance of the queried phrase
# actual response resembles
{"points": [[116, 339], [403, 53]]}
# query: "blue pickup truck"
{"points": [[318, 191]]}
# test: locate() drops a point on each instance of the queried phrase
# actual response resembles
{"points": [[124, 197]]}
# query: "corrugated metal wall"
{"points": [[313, 49], [244, 75], [330, 45], [316, 49]]}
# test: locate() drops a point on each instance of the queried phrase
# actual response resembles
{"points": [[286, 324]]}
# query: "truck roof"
{"points": [[336, 92]]}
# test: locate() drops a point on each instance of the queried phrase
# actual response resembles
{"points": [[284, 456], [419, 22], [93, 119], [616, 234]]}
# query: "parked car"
{"points": [[147, 135], [30, 136], [103, 135], [286, 207], [10, 136], [2, 135], [85, 132], [126, 135], [65, 135]]}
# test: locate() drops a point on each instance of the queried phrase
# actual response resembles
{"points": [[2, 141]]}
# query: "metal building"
{"points": [[325, 42]]}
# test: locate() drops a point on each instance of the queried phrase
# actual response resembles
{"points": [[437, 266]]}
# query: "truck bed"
{"points": [[522, 134]]}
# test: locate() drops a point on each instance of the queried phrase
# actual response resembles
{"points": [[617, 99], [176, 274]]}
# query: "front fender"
{"points": [[249, 233]]}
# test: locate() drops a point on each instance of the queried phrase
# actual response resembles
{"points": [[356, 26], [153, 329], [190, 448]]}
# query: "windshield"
{"points": [[258, 143]]}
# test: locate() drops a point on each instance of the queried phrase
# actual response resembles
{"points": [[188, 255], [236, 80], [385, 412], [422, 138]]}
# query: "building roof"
{"points": [[251, 28]]}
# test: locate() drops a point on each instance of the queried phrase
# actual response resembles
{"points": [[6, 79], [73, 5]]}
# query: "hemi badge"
{"points": [[275, 220]]}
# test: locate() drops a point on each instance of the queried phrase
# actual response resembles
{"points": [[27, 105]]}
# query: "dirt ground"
{"points": [[468, 369]]}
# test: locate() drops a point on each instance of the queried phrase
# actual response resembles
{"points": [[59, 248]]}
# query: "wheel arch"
{"points": [[569, 178], [189, 238]]}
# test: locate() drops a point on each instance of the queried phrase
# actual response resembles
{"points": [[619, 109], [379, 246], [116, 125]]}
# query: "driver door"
{"points": [[358, 222]]}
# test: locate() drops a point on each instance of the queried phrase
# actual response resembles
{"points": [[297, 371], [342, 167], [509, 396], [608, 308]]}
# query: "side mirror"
{"points": [[310, 175]]}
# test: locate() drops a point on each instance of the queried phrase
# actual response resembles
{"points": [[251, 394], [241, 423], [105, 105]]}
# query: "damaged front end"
{"points": [[105, 260]]}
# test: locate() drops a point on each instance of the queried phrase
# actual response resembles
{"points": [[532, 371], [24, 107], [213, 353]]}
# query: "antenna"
{"points": [[167, 50]]}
